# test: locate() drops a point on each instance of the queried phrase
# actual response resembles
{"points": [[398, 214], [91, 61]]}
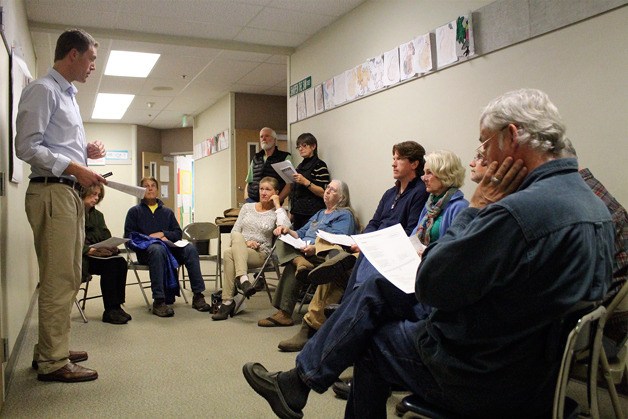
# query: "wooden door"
{"points": [[247, 144], [162, 169]]}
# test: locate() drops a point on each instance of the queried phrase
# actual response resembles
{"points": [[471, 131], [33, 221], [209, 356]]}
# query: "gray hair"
{"points": [[538, 122], [272, 132], [569, 151], [345, 201]]}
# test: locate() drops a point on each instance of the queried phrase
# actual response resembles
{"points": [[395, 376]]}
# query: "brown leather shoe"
{"points": [[74, 357], [70, 373]]}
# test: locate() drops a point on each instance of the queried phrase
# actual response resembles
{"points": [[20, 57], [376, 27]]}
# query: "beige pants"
{"points": [[237, 261], [324, 295], [57, 217]]}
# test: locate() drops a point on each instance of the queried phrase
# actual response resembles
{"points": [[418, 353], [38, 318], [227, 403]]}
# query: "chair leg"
{"points": [[84, 299], [81, 312], [612, 391], [185, 298], [139, 282]]}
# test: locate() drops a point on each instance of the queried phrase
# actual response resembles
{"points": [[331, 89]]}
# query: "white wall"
{"points": [[19, 275], [213, 183], [582, 67], [116, 204]]}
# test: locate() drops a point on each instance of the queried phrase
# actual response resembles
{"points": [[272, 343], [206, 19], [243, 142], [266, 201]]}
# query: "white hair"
{"points": [[538, 122]]}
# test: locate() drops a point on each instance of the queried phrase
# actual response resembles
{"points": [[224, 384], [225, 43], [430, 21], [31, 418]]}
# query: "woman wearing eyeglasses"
{"points": [[306, 196], [444, 174]]}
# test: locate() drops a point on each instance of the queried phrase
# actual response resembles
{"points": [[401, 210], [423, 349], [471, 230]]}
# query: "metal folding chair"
{"points": [[135, 266], [201, 235], [271, 264]]}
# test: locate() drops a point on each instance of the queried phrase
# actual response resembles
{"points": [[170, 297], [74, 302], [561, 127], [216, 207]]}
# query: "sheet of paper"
{"points": [[136, 191], [296, 243], [110, 242], [286, 170], [341, 239], [389, 250], [179, 243]]}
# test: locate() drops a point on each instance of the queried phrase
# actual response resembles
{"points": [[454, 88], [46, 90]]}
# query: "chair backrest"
{"points": [[197, 233], [586, 335]]}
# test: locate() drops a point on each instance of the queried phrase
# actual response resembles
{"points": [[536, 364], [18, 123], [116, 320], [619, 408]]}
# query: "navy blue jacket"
{"points": [[500, 280], [405, 211], [142, 220]]}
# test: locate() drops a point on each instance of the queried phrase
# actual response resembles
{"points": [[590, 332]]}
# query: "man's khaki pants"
{"points": [[56, 215]]}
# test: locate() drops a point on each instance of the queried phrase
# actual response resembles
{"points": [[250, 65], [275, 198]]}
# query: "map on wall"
{"points": [[391, 67]]}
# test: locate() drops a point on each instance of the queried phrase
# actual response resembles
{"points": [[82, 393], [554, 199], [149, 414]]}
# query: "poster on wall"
{"points": [[328, 94], [310, 106], [391, 67], [446, 44], [408, 59], [318, 98], [424, 53], [292, 109], [464, 37], [376, 73]]}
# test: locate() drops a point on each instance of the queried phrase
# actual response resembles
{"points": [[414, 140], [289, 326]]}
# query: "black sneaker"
{"points": [[162, 310], [114, 317]]}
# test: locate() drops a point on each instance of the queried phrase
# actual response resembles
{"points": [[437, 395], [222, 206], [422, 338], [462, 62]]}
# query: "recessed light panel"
{"points": [[130, 64], [111, 106]]}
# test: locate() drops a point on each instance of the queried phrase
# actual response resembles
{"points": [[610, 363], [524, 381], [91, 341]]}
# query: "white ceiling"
{"points": [[208, 48]]}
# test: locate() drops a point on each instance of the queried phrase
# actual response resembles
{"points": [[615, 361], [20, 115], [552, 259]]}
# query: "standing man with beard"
{"points": [[261, 166]]}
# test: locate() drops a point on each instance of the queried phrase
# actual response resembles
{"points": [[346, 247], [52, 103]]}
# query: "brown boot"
{"points": [[298, 341]]}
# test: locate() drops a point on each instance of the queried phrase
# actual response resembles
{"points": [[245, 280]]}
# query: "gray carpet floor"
{"points": [[184, 366]]}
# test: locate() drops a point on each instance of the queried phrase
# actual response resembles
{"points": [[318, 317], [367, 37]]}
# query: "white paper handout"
{"points": [[136, 191], [110, 242], [178, 243], [296, 243], [286, 170], [389, 250], [341, 239]]}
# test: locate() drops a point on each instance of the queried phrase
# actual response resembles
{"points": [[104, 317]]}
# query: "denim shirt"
{"points": [[500, 280]]}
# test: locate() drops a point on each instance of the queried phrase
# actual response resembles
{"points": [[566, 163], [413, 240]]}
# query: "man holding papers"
{"points": [[533, 244], [261, 166]]}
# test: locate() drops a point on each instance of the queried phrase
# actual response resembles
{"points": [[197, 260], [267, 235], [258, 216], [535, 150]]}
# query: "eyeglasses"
{"points": [[480, 152], [302, 145]]}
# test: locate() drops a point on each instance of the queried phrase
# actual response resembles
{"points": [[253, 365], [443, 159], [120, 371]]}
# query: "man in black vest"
{"points": [[261, 166]]}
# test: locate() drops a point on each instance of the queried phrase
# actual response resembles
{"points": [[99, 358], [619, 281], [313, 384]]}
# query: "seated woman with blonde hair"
{"points": [[443, 176], [251, 242]]}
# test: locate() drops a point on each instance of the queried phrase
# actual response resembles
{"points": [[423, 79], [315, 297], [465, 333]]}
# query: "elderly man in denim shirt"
{"points": [[533, 244]]}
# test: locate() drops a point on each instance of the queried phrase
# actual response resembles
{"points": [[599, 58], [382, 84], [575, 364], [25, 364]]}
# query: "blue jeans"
{"points": [[156, 257], [376, 329]]}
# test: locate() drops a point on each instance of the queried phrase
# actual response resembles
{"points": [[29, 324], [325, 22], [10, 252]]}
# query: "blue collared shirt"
{"points": [[50, 131]]}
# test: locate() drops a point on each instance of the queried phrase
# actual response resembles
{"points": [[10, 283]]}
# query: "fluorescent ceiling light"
{"points": [[130, 64], [111, 106]]}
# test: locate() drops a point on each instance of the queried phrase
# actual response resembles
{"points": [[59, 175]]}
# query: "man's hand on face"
{"points": [[498, 183]]}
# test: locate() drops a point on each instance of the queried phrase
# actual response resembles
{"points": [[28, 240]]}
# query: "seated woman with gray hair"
{"points": [[337, 218]]}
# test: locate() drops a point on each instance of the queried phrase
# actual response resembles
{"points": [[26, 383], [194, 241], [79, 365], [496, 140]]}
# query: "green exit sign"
{"points": [[301, 86]]}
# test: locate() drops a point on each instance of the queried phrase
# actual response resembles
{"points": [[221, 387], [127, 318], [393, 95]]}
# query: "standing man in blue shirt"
{"points": [[51, 138]]}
